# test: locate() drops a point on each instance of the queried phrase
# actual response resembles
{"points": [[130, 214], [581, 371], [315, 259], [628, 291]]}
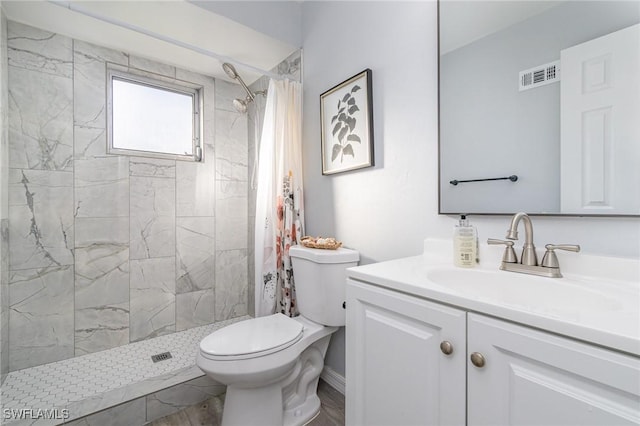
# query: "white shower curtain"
{"points": [[279, 205]]}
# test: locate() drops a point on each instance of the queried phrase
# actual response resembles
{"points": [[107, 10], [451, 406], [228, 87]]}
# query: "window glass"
{"points": [[150, 118]]}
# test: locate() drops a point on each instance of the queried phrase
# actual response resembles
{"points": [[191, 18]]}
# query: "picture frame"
{"points": [[346, 119]]}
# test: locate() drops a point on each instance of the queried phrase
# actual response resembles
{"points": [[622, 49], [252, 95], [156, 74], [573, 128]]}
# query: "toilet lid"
{"points": [[252, 338]]}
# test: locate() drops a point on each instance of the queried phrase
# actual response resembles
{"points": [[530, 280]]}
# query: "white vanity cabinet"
{"points": [[396, 371], [499, 373], [531, 377]]}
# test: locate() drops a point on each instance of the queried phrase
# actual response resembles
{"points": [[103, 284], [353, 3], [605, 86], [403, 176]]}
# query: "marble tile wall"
{"points": [[4, 203], [40, 188], [109, 249], [231, 202], [176, 398], [4, 299], [154, 406]]}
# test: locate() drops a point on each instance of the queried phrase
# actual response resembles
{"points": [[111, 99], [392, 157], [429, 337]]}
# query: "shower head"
{"points": [[241, 105], [230, 70]]}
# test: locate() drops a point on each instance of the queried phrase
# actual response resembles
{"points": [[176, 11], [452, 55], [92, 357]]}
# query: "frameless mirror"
{"points": [[539, 107]]}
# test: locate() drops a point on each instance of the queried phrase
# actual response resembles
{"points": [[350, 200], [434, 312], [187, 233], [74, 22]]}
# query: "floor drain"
{"points": [[161, 357]]}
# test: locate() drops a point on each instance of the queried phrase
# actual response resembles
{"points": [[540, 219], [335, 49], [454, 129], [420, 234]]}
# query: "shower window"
{"points": [[151, 117]]}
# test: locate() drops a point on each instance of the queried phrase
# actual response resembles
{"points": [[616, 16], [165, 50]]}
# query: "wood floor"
{"points": [[209, 412]]}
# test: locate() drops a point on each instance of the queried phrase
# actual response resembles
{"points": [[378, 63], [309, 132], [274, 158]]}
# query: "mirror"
{"points": [[546, 93]]}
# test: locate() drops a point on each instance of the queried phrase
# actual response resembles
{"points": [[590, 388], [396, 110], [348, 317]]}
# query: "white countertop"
{"points": [[597, 300]]}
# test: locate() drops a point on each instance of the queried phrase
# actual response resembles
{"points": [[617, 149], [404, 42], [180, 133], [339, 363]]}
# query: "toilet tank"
{"points": [[320, 280]]}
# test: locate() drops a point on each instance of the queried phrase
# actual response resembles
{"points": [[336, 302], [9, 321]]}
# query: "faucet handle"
{"points": [[567, 247], [509, 255], [550, 260], [495, 241]]}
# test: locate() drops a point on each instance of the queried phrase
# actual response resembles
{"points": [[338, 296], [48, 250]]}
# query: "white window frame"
{"points": [[160, 83]]}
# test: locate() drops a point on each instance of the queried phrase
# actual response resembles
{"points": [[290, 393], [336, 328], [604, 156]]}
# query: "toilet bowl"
{"points": [[277, 380], [271, 364]]}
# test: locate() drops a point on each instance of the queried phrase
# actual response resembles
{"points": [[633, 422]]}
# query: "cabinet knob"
{"points": [[477, 359], [446, 347]]}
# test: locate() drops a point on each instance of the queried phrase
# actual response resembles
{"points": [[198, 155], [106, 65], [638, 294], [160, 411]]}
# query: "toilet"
{"points": [[271, 364]]}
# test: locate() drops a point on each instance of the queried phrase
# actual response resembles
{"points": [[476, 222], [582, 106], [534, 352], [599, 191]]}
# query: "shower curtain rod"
{"points": [[126, 25]]}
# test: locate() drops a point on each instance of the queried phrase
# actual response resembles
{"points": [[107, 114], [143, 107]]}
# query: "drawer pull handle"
{"points": [[477, 359], [446, 347]]}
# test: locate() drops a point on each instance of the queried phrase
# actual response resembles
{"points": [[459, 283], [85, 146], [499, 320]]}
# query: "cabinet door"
{"points": [[396, 371], [537, 378]]}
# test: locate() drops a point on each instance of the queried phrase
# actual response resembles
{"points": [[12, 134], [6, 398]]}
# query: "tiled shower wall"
{"points": [[4, 202], [106, 249]]}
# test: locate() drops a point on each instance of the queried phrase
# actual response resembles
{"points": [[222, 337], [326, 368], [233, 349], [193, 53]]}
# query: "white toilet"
{"points": [[271, 364]]}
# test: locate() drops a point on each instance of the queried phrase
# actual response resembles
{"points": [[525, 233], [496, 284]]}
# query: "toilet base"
{"points": [[303, 414], [301, 402], [255, 406], [292, 401]]}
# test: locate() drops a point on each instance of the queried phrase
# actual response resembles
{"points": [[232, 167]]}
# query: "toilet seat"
{"points": [[252, 338]]}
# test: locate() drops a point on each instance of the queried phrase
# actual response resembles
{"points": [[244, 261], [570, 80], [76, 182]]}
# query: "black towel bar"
{"points": [[512, 178]]}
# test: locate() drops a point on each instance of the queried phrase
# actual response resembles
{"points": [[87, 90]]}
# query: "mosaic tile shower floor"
{"points": [[94, 382]]}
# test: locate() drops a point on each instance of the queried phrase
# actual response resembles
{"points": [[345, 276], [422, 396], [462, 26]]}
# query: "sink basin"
{"points": [[549, 295]]}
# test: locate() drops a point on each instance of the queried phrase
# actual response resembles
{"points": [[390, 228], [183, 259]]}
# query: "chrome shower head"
{"points": [[230, 70], [241, 105]]}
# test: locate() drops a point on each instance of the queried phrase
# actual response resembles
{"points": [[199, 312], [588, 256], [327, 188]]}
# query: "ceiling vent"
{"points": [[539, 76]]}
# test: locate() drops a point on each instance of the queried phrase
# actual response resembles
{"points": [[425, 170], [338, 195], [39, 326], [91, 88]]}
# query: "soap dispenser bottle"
{"points": [[465, 244]]}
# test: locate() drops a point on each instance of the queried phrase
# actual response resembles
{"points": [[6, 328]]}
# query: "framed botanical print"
{"points": [[346, 116]]}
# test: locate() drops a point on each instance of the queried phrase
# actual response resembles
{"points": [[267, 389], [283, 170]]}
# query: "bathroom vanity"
{"points": [[428, 343]]}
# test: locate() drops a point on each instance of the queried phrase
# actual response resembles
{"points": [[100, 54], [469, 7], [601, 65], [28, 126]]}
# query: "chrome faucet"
{"points": [[528, 263], [529, 256]]}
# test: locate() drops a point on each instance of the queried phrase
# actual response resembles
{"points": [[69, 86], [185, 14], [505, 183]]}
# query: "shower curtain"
{"points": [[279, 205]]}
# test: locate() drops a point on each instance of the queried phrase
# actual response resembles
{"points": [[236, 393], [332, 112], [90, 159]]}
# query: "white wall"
{"points": [[386, 211], [381, 211]]}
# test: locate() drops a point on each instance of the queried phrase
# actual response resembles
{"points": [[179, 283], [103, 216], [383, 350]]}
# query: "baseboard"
{"points": [[333, 379]]}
